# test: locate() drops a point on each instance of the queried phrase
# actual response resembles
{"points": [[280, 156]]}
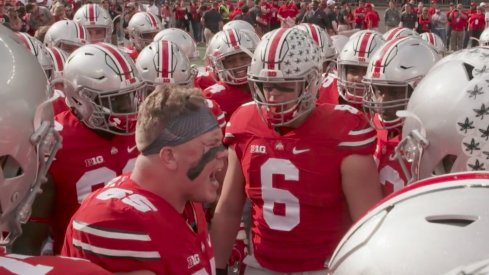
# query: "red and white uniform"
{"points": [[294, 182], [217, 112], [86, 162], [391, 175], [205, 78], [228, 96], [124, 227], [131, 51], [328, 92], [50, 265]]}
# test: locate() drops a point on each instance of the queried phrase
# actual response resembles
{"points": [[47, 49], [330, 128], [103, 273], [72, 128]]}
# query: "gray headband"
{"points": [[182, 129]]}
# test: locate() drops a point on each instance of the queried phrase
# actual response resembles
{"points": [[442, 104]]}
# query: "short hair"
{"points": [[165, 103]]}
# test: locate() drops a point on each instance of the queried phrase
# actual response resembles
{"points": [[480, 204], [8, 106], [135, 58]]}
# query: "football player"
{"points": [[147, 219], [103, 89], [28, 145], [307, 183], [352, 65], [229, 53], [97, 21], [392, 74], [67, 35]]}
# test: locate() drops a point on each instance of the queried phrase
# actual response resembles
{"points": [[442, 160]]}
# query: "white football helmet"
{"points": [[227, 43], [325, 44], [242, 26], [107, 88], [430, 227], [339, 41], [28, 142], [39, 51], [143, 27], [59, 58], [356, 55], [446, 121], [286, 56], [97, 21], [182, 39], [392, 74], [163, 62], [66, 35], [399, 32], [434, 40], [484, 38]]}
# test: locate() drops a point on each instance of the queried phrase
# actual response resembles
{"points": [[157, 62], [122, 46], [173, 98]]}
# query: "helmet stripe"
{"points": [[232, 38], [91, 13], [272, 51], [394, 33], [364, 43], [152, 20], [58, 59], [121, 62], [384, 53], [314, 34], [431, 39], [80, 31], [25, 39], [164, 58]]}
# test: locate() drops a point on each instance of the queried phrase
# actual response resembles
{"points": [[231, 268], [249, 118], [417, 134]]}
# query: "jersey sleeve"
{"points": [[109, 239], [359, 137]]}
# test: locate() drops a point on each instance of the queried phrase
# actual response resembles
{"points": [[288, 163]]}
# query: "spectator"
{"points": [[433, 8], [359, 14], [165, 15], [476, 25], [330, 5], [439, 24], [196, 16], [69, 12], [371, 18], [15, 23], [4, 19], [151, 8], [212, 22], [317, 16], [181, 15], [392, 16], [59, 12], [449, 28], [41, 32], [408, 17], [458, 21], [255, 13], [486, 13], [39, 16], [424, 21], [287, 14], [244, 15]]}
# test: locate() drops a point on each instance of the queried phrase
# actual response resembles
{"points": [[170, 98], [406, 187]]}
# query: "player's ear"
{"points": [[167, 158]]}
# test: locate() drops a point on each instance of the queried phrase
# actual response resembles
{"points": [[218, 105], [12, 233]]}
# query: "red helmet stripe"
{"points": [[58, 59], [384, 52], [314, 34], [152, 20], [431, 39], [273, 47], [232, 38], [165, 58], [81, 31], [120, 61], [91, 13], [393, 33], [364, 41]]}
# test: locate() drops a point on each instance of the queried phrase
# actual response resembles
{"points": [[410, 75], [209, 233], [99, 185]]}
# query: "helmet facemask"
{"points": [[278, 114], [115, 111], [351, 91], [99, 34], [233, 72], [385, 99]]}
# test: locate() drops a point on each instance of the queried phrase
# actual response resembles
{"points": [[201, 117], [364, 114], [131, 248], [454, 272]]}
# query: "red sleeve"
{"points": [[107, 239]]}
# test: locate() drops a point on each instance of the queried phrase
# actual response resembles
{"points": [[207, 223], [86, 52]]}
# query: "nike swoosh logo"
{"points": [[296, 151], [130, 149]]}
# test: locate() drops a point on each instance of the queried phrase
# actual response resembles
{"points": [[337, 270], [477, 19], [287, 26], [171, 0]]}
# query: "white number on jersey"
{"points": [[272, 195], [139, 202], [99, 176]]}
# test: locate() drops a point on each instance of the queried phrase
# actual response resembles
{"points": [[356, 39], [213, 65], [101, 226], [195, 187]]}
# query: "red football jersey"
{"points": [[328, 92], [86, 162], [205, 77], [131, 51], [59, 103], [228, 96], [123, 227], [391, 175], [217, 112], [294, 182], [51, 265]]}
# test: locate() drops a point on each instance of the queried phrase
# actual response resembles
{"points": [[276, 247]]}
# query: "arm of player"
{"points": [[227, 216], [35, 232], [361, 184]]}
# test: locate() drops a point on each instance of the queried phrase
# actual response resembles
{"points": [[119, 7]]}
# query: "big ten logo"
{"points": [[261, 149], [94, 161]]}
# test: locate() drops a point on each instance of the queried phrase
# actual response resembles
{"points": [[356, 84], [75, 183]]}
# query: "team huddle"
{"points": [[291, 153]]}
